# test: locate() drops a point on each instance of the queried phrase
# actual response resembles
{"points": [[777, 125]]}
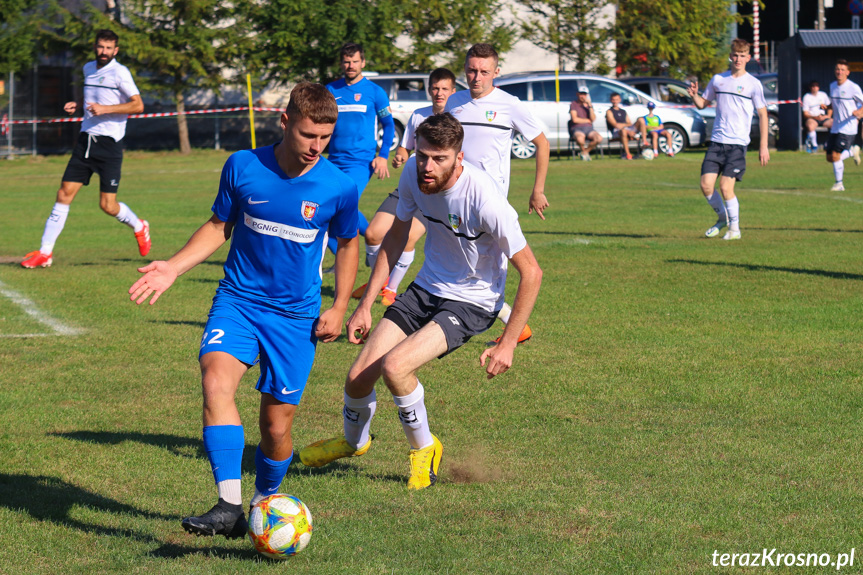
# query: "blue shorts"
{"points": [[359, 172], [284, 346]]}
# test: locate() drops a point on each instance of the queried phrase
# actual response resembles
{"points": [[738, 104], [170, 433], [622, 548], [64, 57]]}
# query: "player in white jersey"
{"points": [[737, 94], [816, 112], [472, 233], [490, 118], [441, 84], [110, 95], [846, 99]]}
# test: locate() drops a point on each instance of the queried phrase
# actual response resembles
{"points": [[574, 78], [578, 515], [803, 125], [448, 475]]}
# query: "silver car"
{"points": [[538, 91]]}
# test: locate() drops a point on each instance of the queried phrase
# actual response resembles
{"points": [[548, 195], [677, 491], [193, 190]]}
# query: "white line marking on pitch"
{"points": [[33, 311], [780, 192]]}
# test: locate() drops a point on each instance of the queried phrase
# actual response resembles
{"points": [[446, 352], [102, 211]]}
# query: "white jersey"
{"points": [[109, 85], [472, 230], [408, 139], [736, 100], [846, 99], [812, 103], [488, 130]]}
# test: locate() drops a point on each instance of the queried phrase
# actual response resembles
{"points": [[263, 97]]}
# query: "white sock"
{"points": [[838, 170], [412, 413], [372, 254], [357, 415], [256, 498], [715, 201], [844, 155], [733, 208], [503, 314], [229, 490], [53, 226], [400, 269], [813, 138], [128, 217]]}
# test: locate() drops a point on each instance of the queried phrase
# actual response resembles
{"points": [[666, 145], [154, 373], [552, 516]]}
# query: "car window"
{"points": [[770, 85], [674, 94], [568, 90], [387, 85], [412, 89], [544, 91], [601, 91], [642, 86], [519, 90]]}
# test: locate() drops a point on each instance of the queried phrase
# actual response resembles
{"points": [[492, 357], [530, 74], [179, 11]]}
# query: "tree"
{"points": [[21, 22], [675, 37], [578, 31], [172, 46]]}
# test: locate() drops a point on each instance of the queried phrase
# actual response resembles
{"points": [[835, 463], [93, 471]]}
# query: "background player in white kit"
{"points": [[737, 94], [489, 117], [472, 233], [816, 112], [847, 102], [110, 95]]}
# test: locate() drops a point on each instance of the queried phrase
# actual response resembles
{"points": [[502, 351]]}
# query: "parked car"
{"points": [[407, 92], [537, 89]]}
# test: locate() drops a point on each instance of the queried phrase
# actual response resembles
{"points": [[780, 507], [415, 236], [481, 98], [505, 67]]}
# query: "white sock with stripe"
{"points": [[400, 269], [128, 217], [838, 170], [357, 415], [732, 206], [53, 226], [412, 413], [715, 201]]}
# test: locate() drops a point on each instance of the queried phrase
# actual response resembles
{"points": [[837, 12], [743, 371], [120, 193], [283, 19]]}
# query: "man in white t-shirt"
{"points": [[441, 84], [110, 95], [737, 94], [846, 99], [816, 112], [490, 118], [472, 233]]}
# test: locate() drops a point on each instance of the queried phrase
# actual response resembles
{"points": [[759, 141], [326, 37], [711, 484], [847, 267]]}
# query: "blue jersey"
{"points": [[279, 226], [354, 139]]}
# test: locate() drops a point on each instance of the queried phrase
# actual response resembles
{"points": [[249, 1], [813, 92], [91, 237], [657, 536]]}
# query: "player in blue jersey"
{"points": [[362, 103], [277, 202]]}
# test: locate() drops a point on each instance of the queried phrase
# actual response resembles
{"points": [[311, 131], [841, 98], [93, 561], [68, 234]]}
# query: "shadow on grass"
{"points": [[761, 268], [198, 324], [787, 229], [173, 551], [592, 234], [194, 448]]}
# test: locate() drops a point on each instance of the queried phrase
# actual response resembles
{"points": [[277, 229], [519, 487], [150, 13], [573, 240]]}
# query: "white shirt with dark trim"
{"points": [[736, 101], [846, 99], [109, 85], [471, 232], [812, 103], [488, 124], [417, 118]]}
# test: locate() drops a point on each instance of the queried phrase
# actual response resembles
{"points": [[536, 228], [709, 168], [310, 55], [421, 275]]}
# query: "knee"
{"points": [[278, 432], [391, 368], [374, 236], [216, 388]]}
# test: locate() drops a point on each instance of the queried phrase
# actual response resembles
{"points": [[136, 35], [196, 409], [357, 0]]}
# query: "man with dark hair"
{"points": [[362, 104], [816, 112], [278, 202], [846, 100], [110, 95], [622, 127], [457, 294]]}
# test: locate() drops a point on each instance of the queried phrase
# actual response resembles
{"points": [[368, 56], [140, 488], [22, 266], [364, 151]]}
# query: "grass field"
{"points": [[680, 395]]}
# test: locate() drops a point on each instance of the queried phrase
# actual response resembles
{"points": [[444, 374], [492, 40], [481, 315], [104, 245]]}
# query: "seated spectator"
{"points": [[580, 124], [622, 129], [816, 112], [652, 124]]}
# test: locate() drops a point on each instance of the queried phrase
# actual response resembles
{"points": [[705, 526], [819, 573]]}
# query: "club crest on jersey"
{"points": [[358, 97], [739, 89], [309, 209], [454, 221], [489, 115]]}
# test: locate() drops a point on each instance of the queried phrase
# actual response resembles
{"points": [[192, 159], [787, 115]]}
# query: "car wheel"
{"points": [[679, 141], [522, 148], [397, 136]]}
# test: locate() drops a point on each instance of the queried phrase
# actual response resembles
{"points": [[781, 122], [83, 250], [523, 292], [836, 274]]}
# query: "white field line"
{"points": [[33, 311], [779, 192]]}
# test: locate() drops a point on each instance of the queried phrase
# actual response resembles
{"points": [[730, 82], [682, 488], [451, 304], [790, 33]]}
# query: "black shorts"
{"points": [[838, 142], [726, 159], [100, 154], [388, 206], [415, 308]]}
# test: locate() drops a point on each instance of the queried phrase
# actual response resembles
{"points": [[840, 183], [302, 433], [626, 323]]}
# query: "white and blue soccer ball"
{"points": [[280, 526], [647, 154]]}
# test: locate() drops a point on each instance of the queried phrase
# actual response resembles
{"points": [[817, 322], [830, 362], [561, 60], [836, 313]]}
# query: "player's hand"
{"points": [[158, 276], [537, 203], [499, 360], [380, 166], [70, 107], [764, 155], [329, 325], [399, 160], [96, 109], [693, 89], [359, 325]]}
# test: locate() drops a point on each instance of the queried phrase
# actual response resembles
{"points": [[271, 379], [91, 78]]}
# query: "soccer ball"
{"points": [[280, 526], [647, 154]]}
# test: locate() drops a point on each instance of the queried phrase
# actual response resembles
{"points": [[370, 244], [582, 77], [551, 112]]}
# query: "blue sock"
{"points": [[224, 446], [269, 473]]}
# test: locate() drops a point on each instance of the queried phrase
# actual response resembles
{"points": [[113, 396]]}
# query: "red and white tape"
{"points": [[154, 115]]}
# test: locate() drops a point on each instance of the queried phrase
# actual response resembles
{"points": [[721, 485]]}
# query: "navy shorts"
{"points": [[388, 206], [728, 160], [415, 308], [839, 142], [284, 346], [100, 154]]}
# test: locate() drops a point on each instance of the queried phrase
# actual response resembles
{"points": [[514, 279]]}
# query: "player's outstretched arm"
{"points": [[401, 157], [160, 275], [538, 202], [499, 357], [329, 325], [764, 126]]}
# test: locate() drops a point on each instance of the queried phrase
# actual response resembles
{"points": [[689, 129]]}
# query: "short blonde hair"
{"points": [[740, 45]]}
